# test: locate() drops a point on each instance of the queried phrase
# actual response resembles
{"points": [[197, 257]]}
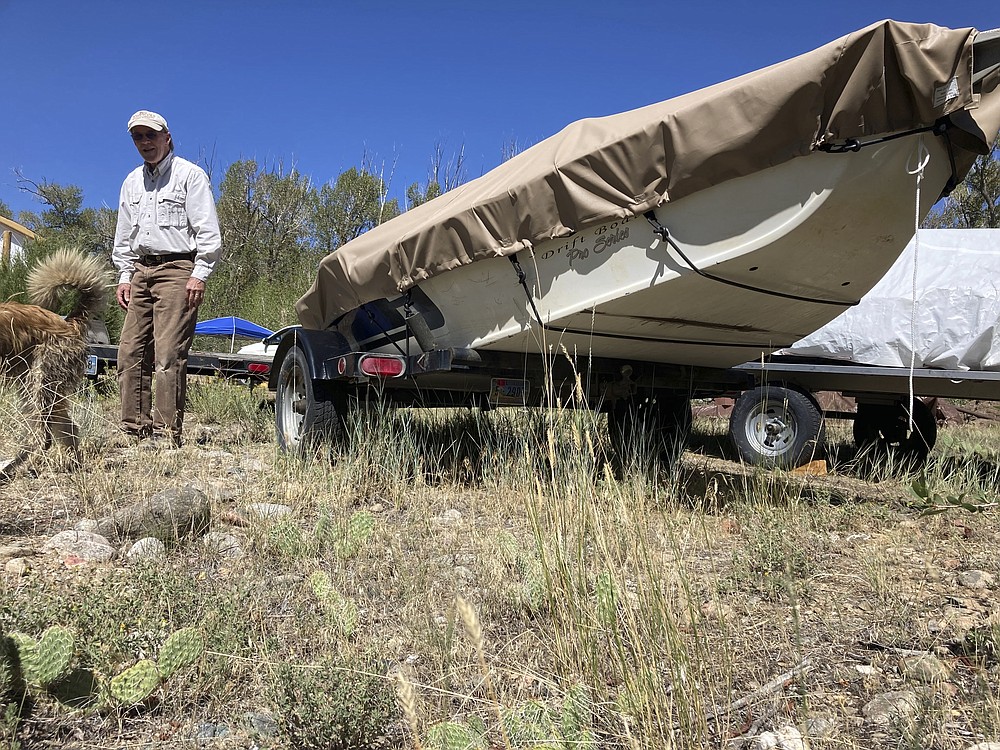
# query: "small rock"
{"points": [[8, 551], [786, 738], [263, 723], [924, 668], [147, 549], [218, 455], [889, 708], [206, 732], [17, 566], [452, 515], [252, 465], [713, 610], [222, 493], [83, 545], [975, 579], [170, 516], [107, 527], [984, 746], [867, 670], [821, 727], [225, 545]]}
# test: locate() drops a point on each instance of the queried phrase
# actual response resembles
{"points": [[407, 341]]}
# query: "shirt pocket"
{"points": [[134, 209], [170, 211]]}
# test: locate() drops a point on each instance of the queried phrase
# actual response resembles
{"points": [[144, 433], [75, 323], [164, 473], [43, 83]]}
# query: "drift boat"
{"points": [[706, 230]]}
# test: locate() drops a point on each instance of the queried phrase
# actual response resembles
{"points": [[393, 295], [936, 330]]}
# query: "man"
{"points": [[166, 245]]}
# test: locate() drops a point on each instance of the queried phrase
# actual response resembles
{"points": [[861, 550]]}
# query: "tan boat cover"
{"points": [[887, 78]]}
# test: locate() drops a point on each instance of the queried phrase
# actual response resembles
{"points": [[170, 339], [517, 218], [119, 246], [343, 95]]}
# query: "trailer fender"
{"points": [[320, 349]]}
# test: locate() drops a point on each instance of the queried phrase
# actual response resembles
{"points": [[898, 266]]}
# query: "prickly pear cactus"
{"points": [[321, 585], [453, 735], [135, 684], [7, 662], [529, 724], [509, 548], [286, 539], [326, 532], [534, 588], [180, 650], [358, 533], [575, 718], [46, 660], [341, 611], [606, 594]]}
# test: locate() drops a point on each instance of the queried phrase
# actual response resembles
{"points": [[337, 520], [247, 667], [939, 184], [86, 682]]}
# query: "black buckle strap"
{"points": [[153, 260]]}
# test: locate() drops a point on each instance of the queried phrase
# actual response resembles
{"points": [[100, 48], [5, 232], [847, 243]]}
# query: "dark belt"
{"points": [[153, 260]]}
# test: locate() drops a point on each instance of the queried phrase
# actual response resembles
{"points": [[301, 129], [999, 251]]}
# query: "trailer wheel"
{"points": [[775, 427], [883, 428], [306, 412], [652, 427]]}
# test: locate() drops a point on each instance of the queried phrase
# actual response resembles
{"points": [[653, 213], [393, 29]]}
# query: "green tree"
{"points": [[417, 194], [14, 274], [264, 215], [349, 206], [975, 202], [64, 222]]}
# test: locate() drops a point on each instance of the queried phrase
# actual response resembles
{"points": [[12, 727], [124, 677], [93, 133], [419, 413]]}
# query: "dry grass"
{"points": [[466, 580]]}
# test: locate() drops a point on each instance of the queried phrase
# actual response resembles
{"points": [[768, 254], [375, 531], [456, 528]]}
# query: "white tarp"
{"points": [[956, 274]]}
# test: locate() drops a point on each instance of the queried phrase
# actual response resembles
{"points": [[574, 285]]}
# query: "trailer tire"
{"points": [[655, 426], [882, 428], [307, 412], [776, 427]]}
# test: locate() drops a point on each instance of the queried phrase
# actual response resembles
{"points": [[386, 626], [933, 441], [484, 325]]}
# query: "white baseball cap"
{"points": [[149, 119]]}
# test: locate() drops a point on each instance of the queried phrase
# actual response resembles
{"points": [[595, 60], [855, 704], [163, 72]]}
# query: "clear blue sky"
{"points": [[318, 84]]}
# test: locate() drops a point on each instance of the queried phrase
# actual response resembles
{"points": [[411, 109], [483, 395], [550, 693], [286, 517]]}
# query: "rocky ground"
{"points": [[863, 624]]}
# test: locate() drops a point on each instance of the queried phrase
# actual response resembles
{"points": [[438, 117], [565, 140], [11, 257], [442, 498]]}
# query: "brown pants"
{"points": [[158, 331]]}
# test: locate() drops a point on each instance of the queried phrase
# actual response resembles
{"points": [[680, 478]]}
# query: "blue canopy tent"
{"points": [[232, 327]]}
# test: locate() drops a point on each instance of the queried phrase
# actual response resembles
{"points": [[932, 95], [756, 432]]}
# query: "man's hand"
{"points": [[195, 292], [123, 295]]}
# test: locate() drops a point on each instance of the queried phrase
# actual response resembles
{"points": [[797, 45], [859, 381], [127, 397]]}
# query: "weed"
{"points": [[335, 706]]}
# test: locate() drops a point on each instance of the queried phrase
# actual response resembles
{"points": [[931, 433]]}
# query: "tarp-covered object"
{"points": [[955, 324], [887, 78], [231, 326]]}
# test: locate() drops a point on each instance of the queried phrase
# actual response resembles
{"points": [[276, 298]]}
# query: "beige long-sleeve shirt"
{"points": [[164, 210]]}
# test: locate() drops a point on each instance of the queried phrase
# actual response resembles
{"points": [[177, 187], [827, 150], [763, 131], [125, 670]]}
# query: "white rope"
{"points": [[923, 156]]}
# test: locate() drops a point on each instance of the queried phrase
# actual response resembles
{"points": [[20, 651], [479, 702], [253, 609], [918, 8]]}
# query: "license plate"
{"points": [[91, 365], [508, 391]]}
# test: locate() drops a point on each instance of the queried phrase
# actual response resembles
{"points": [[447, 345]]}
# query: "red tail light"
{"points": [[381, 366], [259, 368]]}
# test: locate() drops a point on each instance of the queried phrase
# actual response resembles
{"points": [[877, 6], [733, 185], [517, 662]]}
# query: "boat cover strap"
{"points": [[522, 280], [663, 233], [940, 128]]}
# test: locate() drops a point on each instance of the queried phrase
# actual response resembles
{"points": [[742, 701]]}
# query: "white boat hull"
{"points": [[821, 228]]}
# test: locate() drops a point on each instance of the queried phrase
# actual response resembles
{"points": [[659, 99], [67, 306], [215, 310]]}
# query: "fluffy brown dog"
{"points": [[43, 355]]}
